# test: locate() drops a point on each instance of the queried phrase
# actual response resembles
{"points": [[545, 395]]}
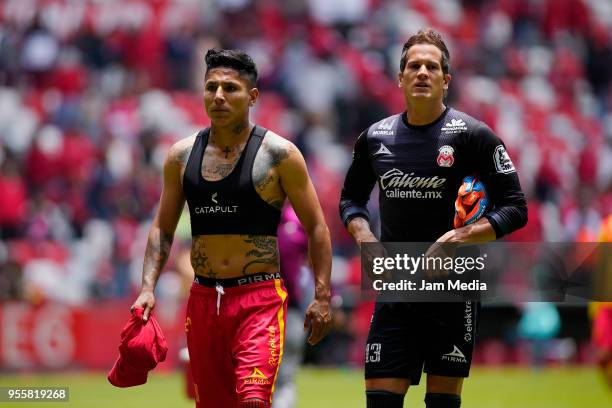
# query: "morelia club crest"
{"points": [[445, 156]]}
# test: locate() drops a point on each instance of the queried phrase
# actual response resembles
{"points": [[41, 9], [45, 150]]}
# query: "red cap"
{"points": [[143, 345]]}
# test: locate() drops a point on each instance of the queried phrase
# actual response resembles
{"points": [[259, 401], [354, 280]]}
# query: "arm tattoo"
{"points": [[156, 255], [263, 183], [277, 204], [261, 178], [199, 260], [264, 249], [179, 156], [278, 155], [272, 157]]}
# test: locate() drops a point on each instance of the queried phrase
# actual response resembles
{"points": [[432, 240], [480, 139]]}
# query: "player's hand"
{"points": [[443, 249], [318, 320], [372, 249], [146, 300]]}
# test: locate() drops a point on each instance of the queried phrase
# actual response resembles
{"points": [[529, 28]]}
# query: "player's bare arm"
{"points": [[359, 228], [162, 229], [274, 150], [296, 183]]}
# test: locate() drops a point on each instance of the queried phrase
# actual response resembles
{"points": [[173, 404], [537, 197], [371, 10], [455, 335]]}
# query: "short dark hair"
{"points": [[427, 36], [234, 59]]}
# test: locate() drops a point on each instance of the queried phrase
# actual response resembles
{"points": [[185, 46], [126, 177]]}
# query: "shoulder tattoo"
{"points": [[278, 153], [179, 154], [272, 155]]}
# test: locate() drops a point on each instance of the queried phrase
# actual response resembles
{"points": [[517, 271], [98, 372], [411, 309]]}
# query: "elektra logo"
{"points": [[216, 209], [455, 356], [395, 184], [454, 126], [468, 323], [385, 127]]}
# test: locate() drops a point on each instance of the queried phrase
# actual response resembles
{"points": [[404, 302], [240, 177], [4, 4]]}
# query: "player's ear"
{"points": [[253, 95], [399, 79], [447, 79]]}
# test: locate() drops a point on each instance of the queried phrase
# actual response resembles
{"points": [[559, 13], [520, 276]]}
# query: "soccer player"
{"points": [[419, 158], [235, 177]]}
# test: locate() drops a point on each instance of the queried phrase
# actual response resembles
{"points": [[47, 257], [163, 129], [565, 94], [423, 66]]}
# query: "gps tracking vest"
{"points": [[230, 206]]}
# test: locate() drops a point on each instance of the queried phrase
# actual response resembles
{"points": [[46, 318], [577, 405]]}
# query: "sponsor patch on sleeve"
{"points": [[502, 161]]}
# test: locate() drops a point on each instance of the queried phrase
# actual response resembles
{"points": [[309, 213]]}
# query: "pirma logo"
{"points": [[214, 198], [383, 150], [446, 156], [455, 356], [257, 377]]}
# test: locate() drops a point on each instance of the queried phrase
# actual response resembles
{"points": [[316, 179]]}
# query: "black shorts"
{"points": [[408, 338]]}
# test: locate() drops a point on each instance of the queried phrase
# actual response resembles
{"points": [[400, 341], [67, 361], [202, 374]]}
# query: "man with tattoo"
{"points": [[235, 177]]}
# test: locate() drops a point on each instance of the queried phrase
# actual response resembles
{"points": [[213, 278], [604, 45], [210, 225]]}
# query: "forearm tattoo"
{"points": [[264, 249], [156, 255]]}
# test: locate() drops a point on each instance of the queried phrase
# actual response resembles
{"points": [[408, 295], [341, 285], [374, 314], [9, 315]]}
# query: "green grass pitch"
{"points": [[571, 387]]}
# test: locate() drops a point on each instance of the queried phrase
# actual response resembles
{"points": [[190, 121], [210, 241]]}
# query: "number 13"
{"points": [[373, 353]]}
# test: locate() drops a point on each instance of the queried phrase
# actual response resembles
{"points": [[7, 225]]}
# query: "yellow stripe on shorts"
{"points": [[280, 315]]}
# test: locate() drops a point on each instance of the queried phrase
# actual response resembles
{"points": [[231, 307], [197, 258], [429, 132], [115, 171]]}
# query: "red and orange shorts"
{"points": [[235, 337]]}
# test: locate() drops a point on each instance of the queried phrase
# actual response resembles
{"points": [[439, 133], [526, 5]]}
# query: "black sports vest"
{"points": [[230, 206]]}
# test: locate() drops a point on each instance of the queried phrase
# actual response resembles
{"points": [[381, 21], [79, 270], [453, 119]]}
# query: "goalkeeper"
{"points": [[419, 158]]}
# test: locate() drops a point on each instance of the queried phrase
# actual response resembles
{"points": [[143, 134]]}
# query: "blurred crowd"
{"points": [[93, 93]]}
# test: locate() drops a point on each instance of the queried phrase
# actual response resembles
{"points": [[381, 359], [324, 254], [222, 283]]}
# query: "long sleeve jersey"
{"points": [[419, 170]]}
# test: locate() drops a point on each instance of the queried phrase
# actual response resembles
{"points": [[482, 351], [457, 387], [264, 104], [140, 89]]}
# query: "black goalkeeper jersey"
{"points": [[419, 170]]}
